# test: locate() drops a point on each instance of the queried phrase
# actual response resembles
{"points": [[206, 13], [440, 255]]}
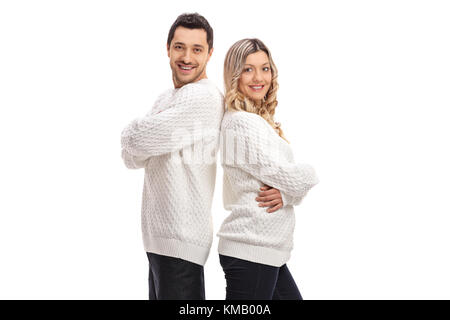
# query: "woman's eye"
{"points": [[266, 69], [248, 69]]}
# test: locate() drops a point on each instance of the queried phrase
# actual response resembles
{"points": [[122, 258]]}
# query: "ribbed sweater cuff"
{"points": [[176, 248], [263, 255]]}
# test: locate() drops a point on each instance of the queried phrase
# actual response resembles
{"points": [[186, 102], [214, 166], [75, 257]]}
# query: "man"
{"points": [[177, 143]]}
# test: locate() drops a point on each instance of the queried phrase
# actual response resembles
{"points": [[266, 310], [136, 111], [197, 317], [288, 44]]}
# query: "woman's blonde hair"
{"points": [[236, 100]]}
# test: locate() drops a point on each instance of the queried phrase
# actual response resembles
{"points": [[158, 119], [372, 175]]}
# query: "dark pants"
{"points": [[254, 281], [174, 279]]}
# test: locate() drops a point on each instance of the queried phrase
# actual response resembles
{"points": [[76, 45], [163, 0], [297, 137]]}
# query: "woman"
{"points": [[255, 242]]}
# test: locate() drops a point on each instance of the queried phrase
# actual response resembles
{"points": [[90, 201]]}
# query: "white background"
{"points": [[364, 97]]}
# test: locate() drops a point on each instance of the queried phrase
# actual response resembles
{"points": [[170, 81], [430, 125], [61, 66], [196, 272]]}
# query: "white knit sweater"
{"points": [[253, 154], [177, 144]]}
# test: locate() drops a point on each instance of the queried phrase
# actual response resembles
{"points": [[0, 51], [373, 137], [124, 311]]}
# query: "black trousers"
{"points": [[174, 279], [248, 280]]}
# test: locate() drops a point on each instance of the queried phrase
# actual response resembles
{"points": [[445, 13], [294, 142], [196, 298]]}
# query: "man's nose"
{"points": [[186, 57]]}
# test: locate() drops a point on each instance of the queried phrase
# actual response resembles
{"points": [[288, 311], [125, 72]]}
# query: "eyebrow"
{"points": [[183, 44], [248, 64]]}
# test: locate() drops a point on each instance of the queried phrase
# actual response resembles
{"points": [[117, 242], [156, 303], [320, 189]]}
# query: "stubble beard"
{"points": [[182, 82]]}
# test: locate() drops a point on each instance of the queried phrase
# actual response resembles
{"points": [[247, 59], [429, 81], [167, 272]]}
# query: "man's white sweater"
{"points": [[253, 154], [177, 143]]}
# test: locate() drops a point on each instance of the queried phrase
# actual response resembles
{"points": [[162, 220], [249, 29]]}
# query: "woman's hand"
{"points": [[270, 197]]}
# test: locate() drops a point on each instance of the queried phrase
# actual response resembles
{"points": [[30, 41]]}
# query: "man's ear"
{"points": [[210, 53]]}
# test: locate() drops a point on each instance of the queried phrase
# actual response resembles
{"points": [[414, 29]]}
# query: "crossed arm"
{"points": [[190, 117], [286, 183]]}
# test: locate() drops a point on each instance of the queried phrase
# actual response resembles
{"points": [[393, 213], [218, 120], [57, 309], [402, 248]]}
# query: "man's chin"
{"points": [[185, 79]]}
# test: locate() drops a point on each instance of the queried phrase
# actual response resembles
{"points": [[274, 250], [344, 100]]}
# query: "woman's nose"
{"points": [[257, 77]]}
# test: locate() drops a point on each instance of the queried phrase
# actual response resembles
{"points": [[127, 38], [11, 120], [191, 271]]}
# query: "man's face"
{"points": [[188, 53]]}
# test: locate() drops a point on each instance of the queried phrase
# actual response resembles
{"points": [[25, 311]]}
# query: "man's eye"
{"points": [[177, 47], [198, 50]]}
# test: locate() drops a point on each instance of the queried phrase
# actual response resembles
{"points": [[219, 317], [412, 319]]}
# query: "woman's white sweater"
{"points": [[177, 143], [253, 154]]}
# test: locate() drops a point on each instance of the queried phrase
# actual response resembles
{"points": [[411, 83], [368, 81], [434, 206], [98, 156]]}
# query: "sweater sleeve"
{"points": [[133, 162], [159, 104], [193, 114], [259, 153], [290, 200]]}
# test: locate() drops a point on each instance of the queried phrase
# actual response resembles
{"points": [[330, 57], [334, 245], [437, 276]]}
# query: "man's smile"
{"points": [[185, 69]]}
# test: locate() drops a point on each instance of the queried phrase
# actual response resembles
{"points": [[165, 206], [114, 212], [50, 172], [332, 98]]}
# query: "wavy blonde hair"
{"points": [[233, 67]]}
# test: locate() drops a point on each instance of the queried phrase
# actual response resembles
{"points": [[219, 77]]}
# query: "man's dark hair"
{"points": [[192, 21]]}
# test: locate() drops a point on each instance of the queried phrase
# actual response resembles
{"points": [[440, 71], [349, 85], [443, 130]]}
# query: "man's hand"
{"points": [[270, 197]]}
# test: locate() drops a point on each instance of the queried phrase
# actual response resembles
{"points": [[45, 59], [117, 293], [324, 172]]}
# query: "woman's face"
{"points": [[256, 77]]}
